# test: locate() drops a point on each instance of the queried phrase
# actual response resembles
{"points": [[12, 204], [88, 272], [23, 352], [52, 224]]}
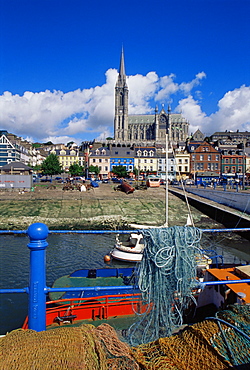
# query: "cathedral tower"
{"points": [[121, 105]]}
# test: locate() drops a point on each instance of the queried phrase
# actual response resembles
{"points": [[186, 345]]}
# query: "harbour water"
{"points": [[68, 252]]}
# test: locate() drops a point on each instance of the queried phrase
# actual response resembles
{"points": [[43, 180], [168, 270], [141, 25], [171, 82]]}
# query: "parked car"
{"points": [[116, 180], [175, 182], [189, 182]]}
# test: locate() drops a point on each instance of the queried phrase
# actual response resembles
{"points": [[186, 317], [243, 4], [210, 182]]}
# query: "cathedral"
{"points": [[144, 129]]}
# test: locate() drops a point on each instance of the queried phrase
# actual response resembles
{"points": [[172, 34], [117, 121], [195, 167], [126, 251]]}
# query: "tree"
{"points": [[75, 169], [94, 169], [51, 165], [120, 171], [135, 171]]}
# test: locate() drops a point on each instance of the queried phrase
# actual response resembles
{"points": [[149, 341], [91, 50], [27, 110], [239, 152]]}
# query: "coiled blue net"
{"points": [[166, 276]]}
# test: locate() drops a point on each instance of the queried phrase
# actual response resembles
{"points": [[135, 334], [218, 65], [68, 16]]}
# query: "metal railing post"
{"points": [[37, 233]]}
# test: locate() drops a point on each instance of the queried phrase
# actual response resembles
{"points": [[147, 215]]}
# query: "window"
{"points": [[209, 157], [180, 160], [201, 157], [93, 160], [100, 160]]}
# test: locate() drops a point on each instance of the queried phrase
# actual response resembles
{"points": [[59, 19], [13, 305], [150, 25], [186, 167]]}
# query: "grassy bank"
{"points": [[98, 208]]}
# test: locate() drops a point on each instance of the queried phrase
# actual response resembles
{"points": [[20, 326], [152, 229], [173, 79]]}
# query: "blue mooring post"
{"points": [[37, 233]]}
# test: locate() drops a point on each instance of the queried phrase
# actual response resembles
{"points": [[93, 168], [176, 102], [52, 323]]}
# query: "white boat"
{"points": [[153, 182], [128, 247]]}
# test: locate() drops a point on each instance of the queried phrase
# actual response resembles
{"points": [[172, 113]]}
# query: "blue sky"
{"points": [[59, 61]]}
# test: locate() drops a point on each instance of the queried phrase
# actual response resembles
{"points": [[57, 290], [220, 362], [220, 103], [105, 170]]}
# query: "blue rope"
{"points": [[166, 276]]}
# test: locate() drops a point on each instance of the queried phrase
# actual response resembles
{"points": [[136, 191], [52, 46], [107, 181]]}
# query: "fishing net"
{"points": [[166, 278], [208, 345], [205, 345], [84, 347]]}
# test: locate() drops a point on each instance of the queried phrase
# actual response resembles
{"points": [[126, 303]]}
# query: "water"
{"points": [[68, 252]]}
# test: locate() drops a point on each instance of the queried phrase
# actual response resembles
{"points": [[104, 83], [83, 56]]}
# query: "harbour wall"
{"points": [[226, 215], [236, 200]]}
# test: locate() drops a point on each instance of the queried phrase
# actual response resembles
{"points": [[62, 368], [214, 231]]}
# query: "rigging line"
{"points": [[183, 187]]}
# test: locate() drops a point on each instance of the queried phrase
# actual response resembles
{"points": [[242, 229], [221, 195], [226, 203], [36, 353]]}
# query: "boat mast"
{"points": [[167, 132]]}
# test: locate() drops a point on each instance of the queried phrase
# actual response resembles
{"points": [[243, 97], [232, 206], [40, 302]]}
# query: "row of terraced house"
{"points": [[226, 154]]}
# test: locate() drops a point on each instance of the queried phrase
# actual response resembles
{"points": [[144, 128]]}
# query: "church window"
{"points": [[121, 98]]}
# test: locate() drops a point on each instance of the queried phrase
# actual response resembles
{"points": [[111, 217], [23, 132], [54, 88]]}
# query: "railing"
{"points": [[37, 288]]}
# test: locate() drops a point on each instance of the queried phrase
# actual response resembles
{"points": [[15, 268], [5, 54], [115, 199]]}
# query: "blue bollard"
{"points": [[37, 233]]}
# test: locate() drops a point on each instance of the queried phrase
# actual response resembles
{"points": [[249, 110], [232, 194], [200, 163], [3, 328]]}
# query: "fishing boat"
{"points": [[128, 247], [222, 295], [153, 181], [95, 282], [102, 307]]}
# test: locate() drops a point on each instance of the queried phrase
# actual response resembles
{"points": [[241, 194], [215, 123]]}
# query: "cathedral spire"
{"points": [[122, 65], [122, 75]]}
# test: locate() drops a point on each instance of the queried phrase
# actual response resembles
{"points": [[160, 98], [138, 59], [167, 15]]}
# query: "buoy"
{"points": [[107, 258]]}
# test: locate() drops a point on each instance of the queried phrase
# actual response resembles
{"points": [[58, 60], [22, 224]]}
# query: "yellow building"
{"points": [[67, 157]]}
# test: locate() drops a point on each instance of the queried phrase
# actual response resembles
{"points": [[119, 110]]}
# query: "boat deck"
{"points": [[233, 274]]}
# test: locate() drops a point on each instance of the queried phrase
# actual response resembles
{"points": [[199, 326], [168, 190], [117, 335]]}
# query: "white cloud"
{"points": [[89, 113], [191, 110], [234, 111]]}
